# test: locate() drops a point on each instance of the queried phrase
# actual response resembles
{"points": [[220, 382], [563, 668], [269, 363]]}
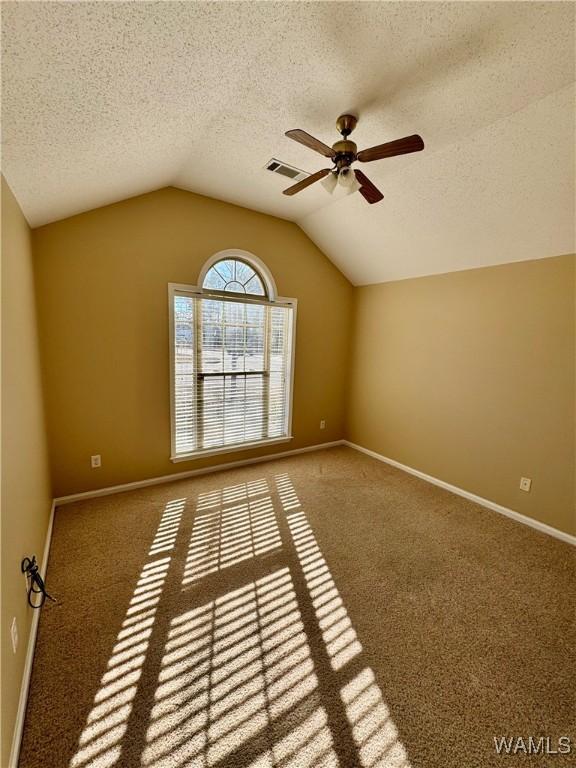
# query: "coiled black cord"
{"points": [[36, 582]]}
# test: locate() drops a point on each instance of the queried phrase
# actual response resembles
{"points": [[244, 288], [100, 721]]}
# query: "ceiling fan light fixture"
{"points": [[347, 180], [329, 183]]}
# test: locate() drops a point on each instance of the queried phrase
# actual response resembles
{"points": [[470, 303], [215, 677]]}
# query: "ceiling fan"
{"points": [[343, 153]]}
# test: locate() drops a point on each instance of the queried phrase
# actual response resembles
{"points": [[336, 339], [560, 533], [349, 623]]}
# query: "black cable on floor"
{"points": [[36, 582]]}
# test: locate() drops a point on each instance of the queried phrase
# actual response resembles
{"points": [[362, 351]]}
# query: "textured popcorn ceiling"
{"points": [[106, 100]]}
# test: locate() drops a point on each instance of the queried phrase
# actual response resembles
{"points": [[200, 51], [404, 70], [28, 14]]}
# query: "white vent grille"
{"points": [[277, 166]]}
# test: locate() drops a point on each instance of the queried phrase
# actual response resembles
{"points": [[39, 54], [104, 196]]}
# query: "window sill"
{"points": [[230, 449]]}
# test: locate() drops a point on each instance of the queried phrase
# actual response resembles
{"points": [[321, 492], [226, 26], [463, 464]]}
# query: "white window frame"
{"points": [[271, 299]]}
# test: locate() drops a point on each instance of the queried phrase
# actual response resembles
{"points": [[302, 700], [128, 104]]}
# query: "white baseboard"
{"points": [[191, 473], [519, 518], [25, 684]]}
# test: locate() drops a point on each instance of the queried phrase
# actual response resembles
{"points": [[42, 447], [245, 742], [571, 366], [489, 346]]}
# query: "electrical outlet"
{"points": [[525, 483], [14, 634], [322, 424], [96, 461]]}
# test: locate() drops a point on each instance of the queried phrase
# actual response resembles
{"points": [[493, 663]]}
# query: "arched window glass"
{"points": [[234, 276]]}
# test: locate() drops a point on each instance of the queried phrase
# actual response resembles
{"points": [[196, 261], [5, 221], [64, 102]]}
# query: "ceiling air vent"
{"points": [[277, 166]]}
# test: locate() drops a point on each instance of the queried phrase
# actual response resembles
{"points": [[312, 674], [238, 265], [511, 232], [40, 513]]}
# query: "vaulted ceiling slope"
{"points": [[102, 101]]}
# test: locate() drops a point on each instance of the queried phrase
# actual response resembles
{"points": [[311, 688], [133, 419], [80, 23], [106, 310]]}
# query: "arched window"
{"points": [[235, 271], [232, 344], [234, 276]]}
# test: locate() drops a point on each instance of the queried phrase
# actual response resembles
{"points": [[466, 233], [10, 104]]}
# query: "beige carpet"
{"points": [[322, 610]]}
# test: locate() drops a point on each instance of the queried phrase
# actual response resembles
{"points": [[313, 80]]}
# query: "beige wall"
{"points": [[102, 298], [469, 377], [26, 496]]}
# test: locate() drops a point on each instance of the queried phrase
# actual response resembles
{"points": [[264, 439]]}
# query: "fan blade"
{"points": [[309, 141], [368, 191], [399, 147], [306, 182]]}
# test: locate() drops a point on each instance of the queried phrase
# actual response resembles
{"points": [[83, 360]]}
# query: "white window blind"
{"points": [[231, 375]]}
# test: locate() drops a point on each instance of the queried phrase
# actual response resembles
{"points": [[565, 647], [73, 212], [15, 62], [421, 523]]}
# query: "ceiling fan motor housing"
{"points": [[345, 153]]}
